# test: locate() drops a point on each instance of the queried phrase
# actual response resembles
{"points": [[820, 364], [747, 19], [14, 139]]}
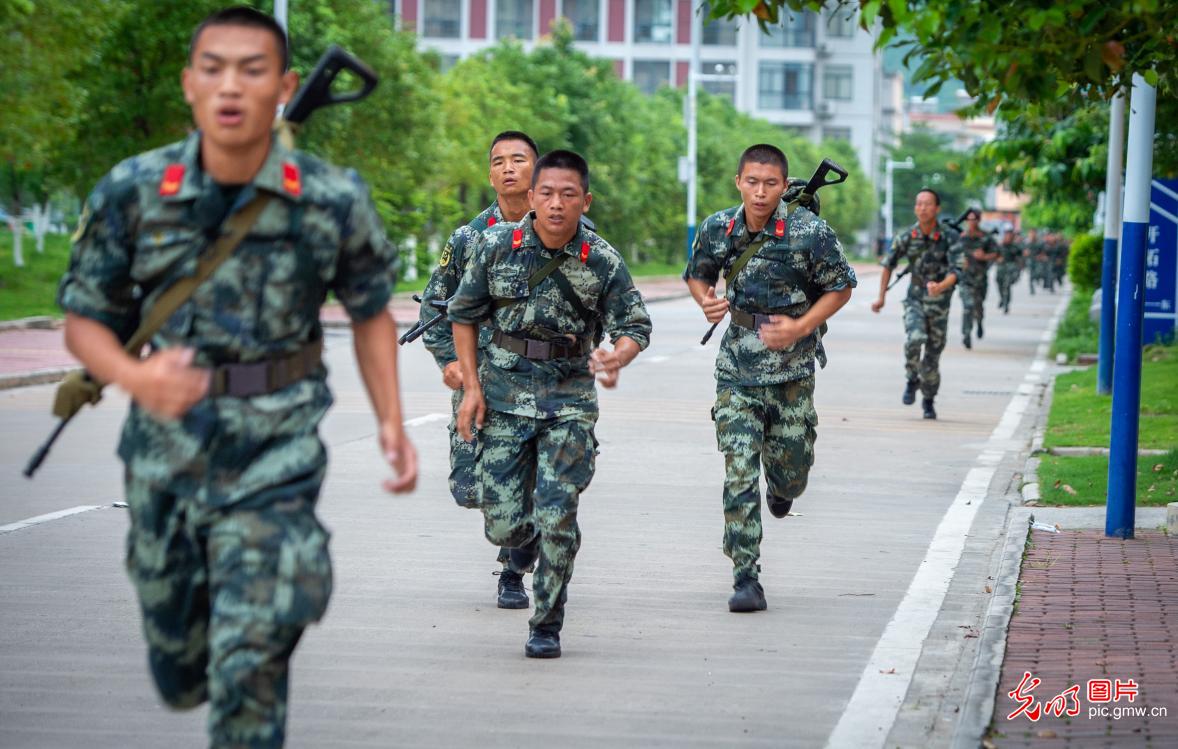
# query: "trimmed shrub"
{"points": [[1084, 261]]}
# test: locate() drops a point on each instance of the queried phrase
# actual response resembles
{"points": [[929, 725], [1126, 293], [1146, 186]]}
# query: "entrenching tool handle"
{"points": [[43, 451], [317, 90], [819, 180]]}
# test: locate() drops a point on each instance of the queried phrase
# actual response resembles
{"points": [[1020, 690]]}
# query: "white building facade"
{"points": [[814, 74]]}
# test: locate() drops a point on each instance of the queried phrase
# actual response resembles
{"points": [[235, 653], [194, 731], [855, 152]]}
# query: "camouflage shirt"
{"points": [[975, 270], [1010, 252], [505, 256], [801, 260], [145, 225], [931, 258], [439, 339]]}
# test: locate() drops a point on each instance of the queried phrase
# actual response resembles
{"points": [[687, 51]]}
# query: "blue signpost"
{"points": [[1126, 411], [1161, 262]]}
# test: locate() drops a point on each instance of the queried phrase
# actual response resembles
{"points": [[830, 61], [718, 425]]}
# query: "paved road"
{"points": [[413, 651]]}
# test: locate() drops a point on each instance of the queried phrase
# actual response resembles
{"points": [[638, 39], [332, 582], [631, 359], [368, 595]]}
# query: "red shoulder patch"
{"points": [[491, 221], [517, 239], [731, 223], [291, 180], [779, 230], [584, 252], [173, 176]]}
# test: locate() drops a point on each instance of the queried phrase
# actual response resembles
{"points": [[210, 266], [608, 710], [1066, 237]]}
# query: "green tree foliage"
{"points": [[937, 166], [1040, 50], [1084, 260]]}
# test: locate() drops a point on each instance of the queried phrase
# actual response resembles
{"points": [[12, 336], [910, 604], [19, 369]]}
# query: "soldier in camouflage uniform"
{"points": [[223, 459], [793, 282], [512, 156], [978, 250], [935, 262], [532, 395], [1059, 248], [1009, 259]]}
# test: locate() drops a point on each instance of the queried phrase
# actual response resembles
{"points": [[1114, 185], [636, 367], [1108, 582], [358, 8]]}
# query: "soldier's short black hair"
{"points": [[763, 153], [973, 213], [513, 135], [561, 159], [241, 15], [936, 195]]}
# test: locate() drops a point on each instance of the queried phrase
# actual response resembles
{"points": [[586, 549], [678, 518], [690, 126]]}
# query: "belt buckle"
{"points": [[246, 380], [534, 349]]}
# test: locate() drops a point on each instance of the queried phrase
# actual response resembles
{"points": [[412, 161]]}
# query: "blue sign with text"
{"points": [[1161, 262]]}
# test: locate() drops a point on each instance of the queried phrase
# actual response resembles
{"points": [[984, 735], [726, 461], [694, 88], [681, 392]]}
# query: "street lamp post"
{"points": [[890, 167], [689, 166]]}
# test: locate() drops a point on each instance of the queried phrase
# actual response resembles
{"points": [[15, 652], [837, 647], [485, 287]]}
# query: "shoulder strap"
{"points": [[536, 278], [235, 228], [751, 250], [575, 300]]}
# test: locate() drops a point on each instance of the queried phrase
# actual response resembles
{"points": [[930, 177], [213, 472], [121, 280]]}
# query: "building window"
{"points": [[585, 16], [653, 21], [441, 19], [837, 82], [836, 133], [841, 23], [727, 89], [651, 75], [785, 85], [719, 32], [513, 18], [796, 30]]}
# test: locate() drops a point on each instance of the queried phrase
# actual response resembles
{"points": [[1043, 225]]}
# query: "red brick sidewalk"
{"points": [[1093, 608]]}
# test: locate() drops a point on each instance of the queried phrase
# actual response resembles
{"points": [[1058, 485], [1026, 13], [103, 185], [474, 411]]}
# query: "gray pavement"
{"points": [[413, 651]]}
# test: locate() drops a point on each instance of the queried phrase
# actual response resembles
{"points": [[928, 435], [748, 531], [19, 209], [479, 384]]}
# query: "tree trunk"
{"points": [[40, 224], [18, 258]]}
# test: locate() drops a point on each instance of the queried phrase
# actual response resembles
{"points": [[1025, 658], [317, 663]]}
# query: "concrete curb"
{"points": [[40, 322], [1082, 452], [980, 695], [35, 377]]}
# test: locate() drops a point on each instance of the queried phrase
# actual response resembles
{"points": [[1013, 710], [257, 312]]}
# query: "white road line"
{"points": [[428, 418], [869, 716], [46, 518]]}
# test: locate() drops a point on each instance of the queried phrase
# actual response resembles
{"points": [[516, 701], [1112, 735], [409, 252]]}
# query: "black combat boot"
{"points": [[779, 506], [980, 330], [542, 643], [910, 392], [929, 411], [748, 596], [966, 342], [511, 591]]}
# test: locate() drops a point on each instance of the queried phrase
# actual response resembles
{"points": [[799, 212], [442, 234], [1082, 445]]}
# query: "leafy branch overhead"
{"points": [[1023, 50]]}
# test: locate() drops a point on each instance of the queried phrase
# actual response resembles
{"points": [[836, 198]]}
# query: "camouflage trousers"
{"points": [[1006, 277], [926, 324], [225, 595], [770, 425], [1041, 274], [973, 303], [531, 473], [464, 489]]}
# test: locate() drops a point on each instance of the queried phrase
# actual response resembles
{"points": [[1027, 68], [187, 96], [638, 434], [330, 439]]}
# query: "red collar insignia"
{"points": [[173, 176], [517, 239], [291, 181], [779, 230], [731, 223], [491, 221], [584, 252]]}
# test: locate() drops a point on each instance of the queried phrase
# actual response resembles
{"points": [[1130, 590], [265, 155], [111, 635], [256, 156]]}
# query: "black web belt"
{"points": [[751, 320], [266, 376], [532, 348]]}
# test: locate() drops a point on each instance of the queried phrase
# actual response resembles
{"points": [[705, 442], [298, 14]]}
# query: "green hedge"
{"points": [[1084, 261]]}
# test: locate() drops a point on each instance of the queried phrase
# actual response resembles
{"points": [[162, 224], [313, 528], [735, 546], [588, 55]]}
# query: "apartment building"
{"points": [[815, 74]]}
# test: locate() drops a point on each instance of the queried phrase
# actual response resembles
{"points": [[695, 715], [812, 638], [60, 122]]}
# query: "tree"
{"points": [[1036, 51], [937, 166]]}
